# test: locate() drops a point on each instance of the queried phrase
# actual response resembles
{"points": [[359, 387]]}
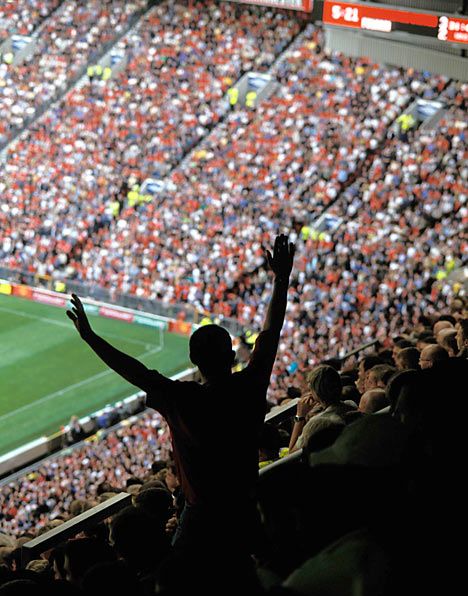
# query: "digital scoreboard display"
{"points": [[304, 5], [382, 19]]}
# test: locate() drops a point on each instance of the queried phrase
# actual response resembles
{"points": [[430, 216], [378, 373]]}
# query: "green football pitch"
{"points": [[48, 373]]}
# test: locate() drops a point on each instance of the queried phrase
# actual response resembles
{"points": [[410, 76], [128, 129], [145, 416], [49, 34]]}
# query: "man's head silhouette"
{"points": [[211, 350]]}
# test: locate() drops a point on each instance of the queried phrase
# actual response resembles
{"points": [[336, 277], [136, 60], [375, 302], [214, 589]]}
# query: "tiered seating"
{"points": [[23, 16], [65, 45]]}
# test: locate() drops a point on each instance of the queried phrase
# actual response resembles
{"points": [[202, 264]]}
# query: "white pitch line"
{"points": [[70, 326], [70, 387]]}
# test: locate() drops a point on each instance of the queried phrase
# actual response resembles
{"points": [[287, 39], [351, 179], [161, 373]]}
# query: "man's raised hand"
{"points": [[79, 318], [281, 261]]}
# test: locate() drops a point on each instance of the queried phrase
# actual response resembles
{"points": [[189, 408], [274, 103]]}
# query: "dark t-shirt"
{"points": [[216, 427]]}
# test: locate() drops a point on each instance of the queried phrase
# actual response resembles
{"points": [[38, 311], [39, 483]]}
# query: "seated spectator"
{"points": [[365, 364], [320, 432], [75, 431], [399, 345], [157, 503], [425, 339], [430, 355], [447, 339], [407, 358], [373, 400], [324, 399], [395, 384], [81, 554], [139, 539], [350, 393], [378, 376], [441, 324]]}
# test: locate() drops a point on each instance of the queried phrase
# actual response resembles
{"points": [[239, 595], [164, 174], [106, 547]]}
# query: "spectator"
{"points": [[407, 358], [373, 400], [324, 399], [75, 431], [81, 554], [447, 339], [378, 376], [191, 420], [140, 540], [430, 355], [365, 364], [440, 325]]}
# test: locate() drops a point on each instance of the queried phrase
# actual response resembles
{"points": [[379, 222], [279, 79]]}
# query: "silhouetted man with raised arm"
{"points": [[215, 425]]}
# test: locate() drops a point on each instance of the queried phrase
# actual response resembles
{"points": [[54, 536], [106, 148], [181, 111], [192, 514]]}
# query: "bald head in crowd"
{"points": [[373, 401], [441, 325], [432, 354], [447, 339]]}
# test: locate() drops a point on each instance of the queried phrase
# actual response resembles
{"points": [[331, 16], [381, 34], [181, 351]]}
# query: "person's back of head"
{"points": [[350, 393], [79, 506], [373, 401], [400, 344], [156, 502], [211, 350], [448, 317], [335, 363], [321, 432], [80, 554], [447, 339], [386, 355], [395, 384], [325, 384], [441, 324], [137, 538], [408, 358]]}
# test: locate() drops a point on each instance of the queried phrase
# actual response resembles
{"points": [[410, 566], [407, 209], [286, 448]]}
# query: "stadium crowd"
{"points": [[21, 17], [378, 413], [67, 42], [368, 427], [254, 172]]}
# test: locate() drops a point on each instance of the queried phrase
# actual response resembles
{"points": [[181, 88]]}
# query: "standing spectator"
{"points": [[198, 416]]}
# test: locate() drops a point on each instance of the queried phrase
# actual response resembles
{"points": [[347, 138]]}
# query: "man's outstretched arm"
{"points": [[280, 262], [129, 368]]}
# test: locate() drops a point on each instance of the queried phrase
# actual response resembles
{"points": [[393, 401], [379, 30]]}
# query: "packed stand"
{"points": [[21, 17], [372, 424], [293, 146], [66, 43], [30, 502], [190, 58]]}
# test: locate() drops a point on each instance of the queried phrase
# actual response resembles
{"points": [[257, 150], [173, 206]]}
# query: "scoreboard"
{"points": [[448, 28], [304, 5]]}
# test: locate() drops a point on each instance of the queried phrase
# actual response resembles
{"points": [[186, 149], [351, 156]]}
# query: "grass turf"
{"points": [[48, 373]]}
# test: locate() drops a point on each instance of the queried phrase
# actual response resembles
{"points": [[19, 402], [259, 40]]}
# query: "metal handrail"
{"points": [[74, 526]]}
